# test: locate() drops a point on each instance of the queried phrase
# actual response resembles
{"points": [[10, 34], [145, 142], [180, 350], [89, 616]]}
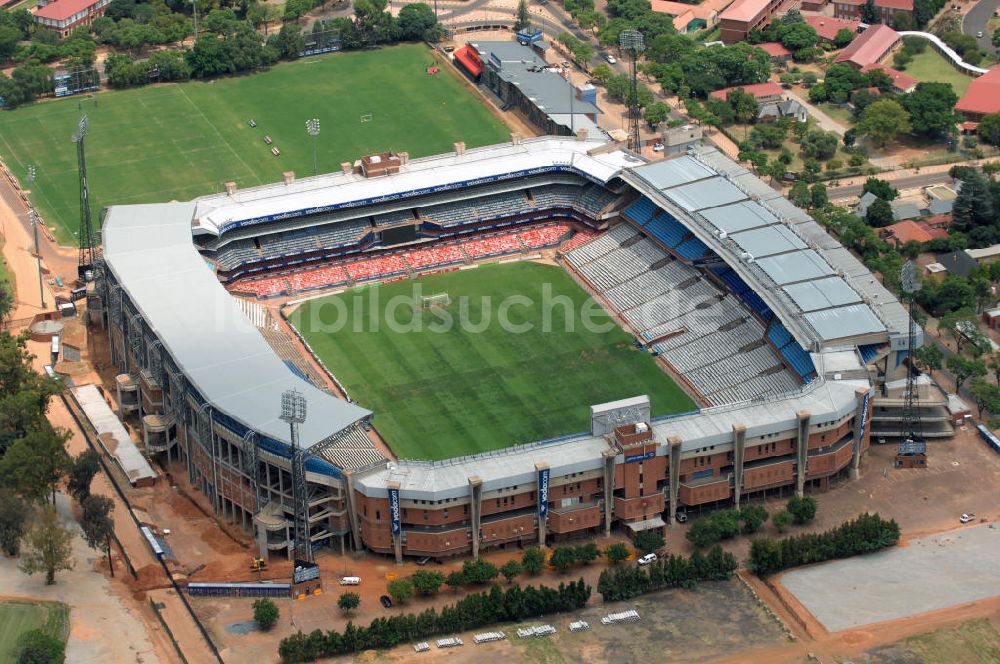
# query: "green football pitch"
{"points": [[479, 386], [179, 141], [18, 617]]}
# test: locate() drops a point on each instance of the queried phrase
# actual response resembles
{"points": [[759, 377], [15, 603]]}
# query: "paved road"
{"points": [[911, 182], [977, 18]]}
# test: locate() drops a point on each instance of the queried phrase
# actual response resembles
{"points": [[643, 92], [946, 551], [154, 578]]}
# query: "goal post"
{"points": [[436, 300], [367, 117]]}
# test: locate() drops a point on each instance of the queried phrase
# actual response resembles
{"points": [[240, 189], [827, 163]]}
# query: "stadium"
{"points": [[768, 339]]}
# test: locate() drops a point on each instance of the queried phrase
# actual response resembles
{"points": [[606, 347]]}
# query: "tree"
{"points": [[929, 357], [533, 560], [880, 188], [347, 602], [13, 517], [932, 108], [523, 17], [817, 195], [400, 589], [798, 36], [616, 553], [510, 570], [37, 647], [843, 37], [883, 121], [986, 394], [954, 323], [879, 214], [426, 582], [803, 509], [753, 517], [265, 613], [989, 127], [800, 195], [587, 553], [479, 571], [782, 520], [455, 580], [972, 213], [84, 467], [870, 13], [963, 369], [47, 547], [563, 557], [703, 532], [34, 464], [98, 525], [656, 113], [744, 105], [417, 21], [649, 541], [820, 144]]}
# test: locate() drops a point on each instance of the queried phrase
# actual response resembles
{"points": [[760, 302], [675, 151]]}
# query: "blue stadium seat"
{"points": [[756, 303], [733, 281], [692, 249], [779, 335], [868, 352], [641, 211], [799, 359], [666, 229]]}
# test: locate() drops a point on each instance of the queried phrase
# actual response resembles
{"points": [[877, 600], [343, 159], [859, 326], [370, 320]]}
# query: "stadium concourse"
{"points": [[770, 324]]}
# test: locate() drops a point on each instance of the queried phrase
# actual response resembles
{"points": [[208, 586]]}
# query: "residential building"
{"points": [[909, 230], [871, 47], [689, 17], [763, 92], [779, 54], [901, 83], [982, 97], [827, 28], [64, 16], [745, 15], [887, 9]]}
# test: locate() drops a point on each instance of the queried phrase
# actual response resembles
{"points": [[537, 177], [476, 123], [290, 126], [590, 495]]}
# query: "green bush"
{"points": [[533, 560], [628, 581], [616, 553], [471, 612], [866, 534], [649, 540], [426, 582], [803, 509], [265, 613]]}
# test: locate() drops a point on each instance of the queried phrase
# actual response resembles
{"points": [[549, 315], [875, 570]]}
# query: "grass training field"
{"points": [[443, 394], [17, 617], [931, 66], [179, 141]]}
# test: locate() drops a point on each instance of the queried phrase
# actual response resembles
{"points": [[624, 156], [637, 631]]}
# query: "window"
{"points": [[378, 515], [446, 513], [465, 509], [425, 515]]}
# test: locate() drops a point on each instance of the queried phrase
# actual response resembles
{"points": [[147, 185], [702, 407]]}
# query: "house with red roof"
{"points": [[779, 54], [887, 9], [827, 28], [739, 18], [871, 47], [911, 231], [763, 92], [982, 97], [901, 83], [688, 17], [64, 16]]}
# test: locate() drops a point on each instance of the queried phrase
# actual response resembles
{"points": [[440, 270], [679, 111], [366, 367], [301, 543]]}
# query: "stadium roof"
{"points": [[822, 293], [149, 250], [591, 158], [823, 399]]}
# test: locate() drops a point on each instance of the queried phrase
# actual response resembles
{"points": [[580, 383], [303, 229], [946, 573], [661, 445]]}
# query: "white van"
{"points": [[350, 581]]}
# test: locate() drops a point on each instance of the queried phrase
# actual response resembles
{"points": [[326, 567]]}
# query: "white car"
{"points": [[611, 59], [647, 559], [658, 147], [966, 518], [979, 35]]}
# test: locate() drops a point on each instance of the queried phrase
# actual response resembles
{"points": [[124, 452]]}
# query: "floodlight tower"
{"points": [[912, 441], [312, 127], [86, 239], [33, 216], [293, 411], [633, 43]]}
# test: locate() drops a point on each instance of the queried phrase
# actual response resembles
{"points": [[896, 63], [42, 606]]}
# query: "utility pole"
{"points": [[33, 216], [312, 127]]}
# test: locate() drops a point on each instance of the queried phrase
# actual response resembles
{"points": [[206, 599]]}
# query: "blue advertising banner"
{"points": [[543, 492], [864, 416], [636, 458], [394, 510]]}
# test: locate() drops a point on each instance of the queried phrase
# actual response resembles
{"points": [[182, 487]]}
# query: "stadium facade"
{"points": [[778, 332]]}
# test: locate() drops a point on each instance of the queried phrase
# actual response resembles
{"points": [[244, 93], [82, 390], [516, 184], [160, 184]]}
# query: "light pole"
{"points": [[293, 411], [312, 126], [33, 215]]}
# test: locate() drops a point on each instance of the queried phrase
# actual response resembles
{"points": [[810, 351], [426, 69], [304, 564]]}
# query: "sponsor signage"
{"points": [[305, 571], [636, 458], [543, 492], [864, 416], [394, 510]]}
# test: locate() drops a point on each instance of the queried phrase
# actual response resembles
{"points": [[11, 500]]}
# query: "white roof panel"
{"points": [[822, 294], [739, 217], [798, 266], [705, 194], [767, 241]]}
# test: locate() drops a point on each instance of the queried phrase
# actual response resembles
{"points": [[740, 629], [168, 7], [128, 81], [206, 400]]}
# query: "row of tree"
{"points": [[471, 612], [674, 571], [866, 534]]}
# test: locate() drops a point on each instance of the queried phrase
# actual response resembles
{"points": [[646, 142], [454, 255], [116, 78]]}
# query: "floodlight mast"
{"points": [[312, 127], [33, 216], [633, 43], [86, 240], [293, 411], [912, 441]]}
